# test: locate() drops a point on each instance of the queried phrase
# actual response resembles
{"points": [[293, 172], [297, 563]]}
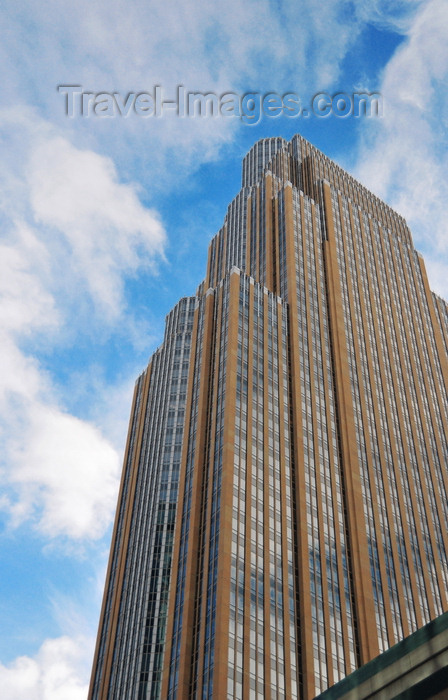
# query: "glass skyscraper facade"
{"points": [[283, 511]]}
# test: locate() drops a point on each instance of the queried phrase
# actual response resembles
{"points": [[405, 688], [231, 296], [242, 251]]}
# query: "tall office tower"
{"points": [[283, 513]]}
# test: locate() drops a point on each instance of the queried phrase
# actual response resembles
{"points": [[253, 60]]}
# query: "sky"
{"points": [[105, 219]]}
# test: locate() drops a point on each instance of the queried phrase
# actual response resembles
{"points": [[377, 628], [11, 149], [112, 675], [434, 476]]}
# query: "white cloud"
{"points": [[129, 46], [20, 312], [71, 235], [66, 474], [121, 46], [395, 15], [108, 231], [57, 672], [58, 471], [404, 158]]}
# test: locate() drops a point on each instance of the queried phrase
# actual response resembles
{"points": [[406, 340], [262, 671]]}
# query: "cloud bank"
{"points": [[76, 232], [54, 673], [405, 156]]}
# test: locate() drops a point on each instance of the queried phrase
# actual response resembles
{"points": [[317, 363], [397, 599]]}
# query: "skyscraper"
{"points": [[283, 512]]}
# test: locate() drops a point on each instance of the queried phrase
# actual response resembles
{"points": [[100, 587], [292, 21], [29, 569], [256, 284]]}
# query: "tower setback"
{"points": [[283, 511]]}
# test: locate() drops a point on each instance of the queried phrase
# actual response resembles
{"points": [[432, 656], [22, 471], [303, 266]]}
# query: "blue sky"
{"points": [[105, 224]]}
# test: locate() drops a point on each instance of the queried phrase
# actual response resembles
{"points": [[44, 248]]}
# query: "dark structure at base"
{"points": [[414, 669]]}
